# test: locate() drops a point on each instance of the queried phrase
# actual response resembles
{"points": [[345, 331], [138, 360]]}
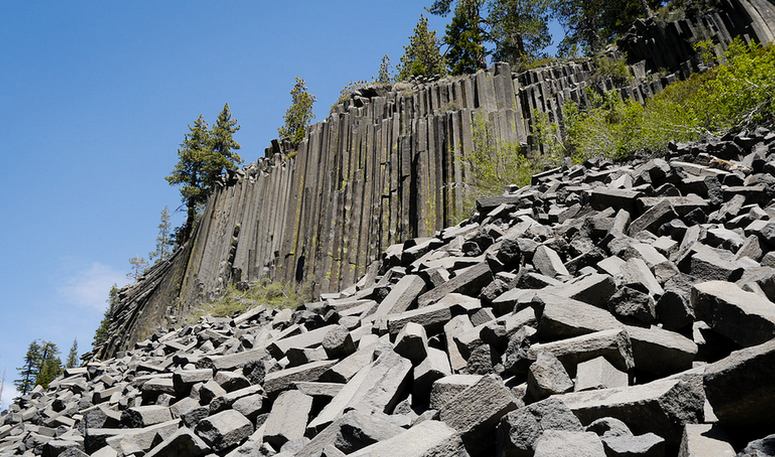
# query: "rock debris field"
{"points": [[605, 310]]}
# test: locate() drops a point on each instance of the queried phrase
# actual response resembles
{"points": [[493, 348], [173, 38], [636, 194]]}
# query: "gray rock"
{"points": [[546, 377], [224, 430], [633, 306], [659, 352], [700, 440], [548, 262], [764, 447], [182, 442], [338, 343], [519, 430], [352, 432], [614, 345], [743, 317], [560, 443], [475, 412], [608, 426], [661, 407], [646, 445], [598, 373], [739, 387], [412, 343], [445, 389], [426, 439], [143, 416], [288, 418]]}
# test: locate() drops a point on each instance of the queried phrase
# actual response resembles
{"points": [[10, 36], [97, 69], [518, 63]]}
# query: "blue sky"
{"points": [[95, 98]]}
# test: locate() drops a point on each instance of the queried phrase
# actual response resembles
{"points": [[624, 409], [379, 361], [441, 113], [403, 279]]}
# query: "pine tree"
{"points": [[422, 56], [383, 74], [138, 266], [222, 154], [28, 373], [50, 365], [299, 114], [72, 356], [519, 29], [203, 157], [189, 173], [101, 334], [591, 24], [465, 39], [163, 239]]}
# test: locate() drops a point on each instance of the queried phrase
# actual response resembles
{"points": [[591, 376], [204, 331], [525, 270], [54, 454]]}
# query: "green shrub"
{"points": [[493, 165], [737, 92], [614, 68], [263, 292]]}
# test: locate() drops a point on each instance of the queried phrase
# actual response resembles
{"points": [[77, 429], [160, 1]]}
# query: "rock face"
{"points": [[479, 353], [317, 219]]}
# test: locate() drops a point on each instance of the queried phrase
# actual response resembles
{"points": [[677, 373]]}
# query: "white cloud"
{"points": [[90, 287], [9, 393]]}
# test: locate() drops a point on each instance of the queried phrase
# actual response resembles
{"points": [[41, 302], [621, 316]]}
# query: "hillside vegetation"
{"points": [[736, 92]]}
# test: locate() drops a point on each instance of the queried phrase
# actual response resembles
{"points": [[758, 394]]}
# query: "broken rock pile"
{"points": [[605, 310]]}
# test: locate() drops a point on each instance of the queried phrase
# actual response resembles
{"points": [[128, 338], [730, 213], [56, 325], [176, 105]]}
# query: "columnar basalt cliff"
{"points": [[389, 164]]}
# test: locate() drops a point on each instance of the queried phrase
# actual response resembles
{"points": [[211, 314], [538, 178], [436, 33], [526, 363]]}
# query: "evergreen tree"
{"points": [[299, 114], [422, 56], [465, 39], [591, 24], [222, 152], [72, 356], [138, 266], [163, 239], [383, 75], [203, 157], [189, 173], [28, 373], [50, 365], [519, 29], [102, 331]]}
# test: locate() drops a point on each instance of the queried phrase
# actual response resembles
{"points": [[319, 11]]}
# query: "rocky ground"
{"points": [[606, 310]]}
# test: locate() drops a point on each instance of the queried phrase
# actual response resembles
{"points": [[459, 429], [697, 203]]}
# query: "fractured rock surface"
{"points": [[605, 310]]}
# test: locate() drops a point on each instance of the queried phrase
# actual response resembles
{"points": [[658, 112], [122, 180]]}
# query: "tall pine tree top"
{"points": [[465, 39], [422, 56], [72, 356], [28, 373], [203, 157], [299, 114], [50, 366]]}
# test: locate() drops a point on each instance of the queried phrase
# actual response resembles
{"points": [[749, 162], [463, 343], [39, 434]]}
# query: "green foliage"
{"points": [[50, 365], [591, 24], [101, 334], [299, 114], [614, 68], [28, 373], [493, 165], [263, 292], [422, 56], [547, 141], [519, 29], [164, 240], [732, 94], [384, 75], [465, 39], [705, 51], [72, 356], [203, 157]]}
